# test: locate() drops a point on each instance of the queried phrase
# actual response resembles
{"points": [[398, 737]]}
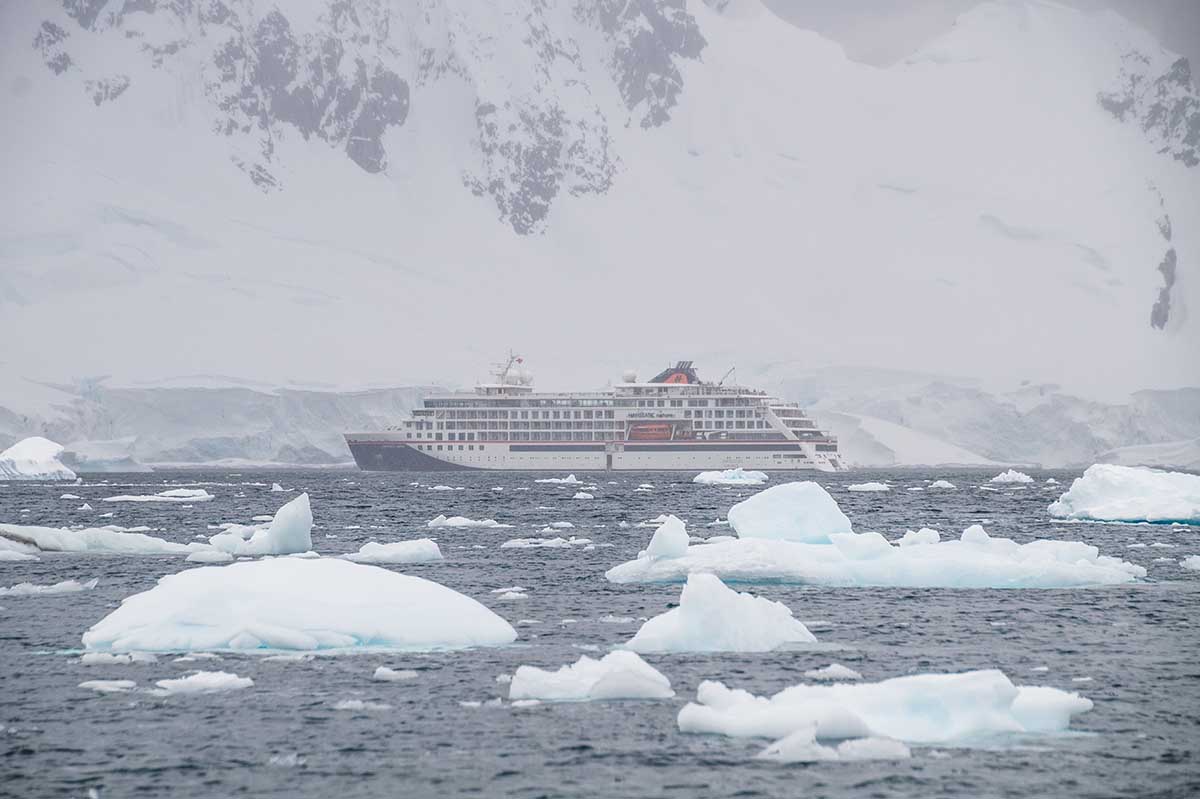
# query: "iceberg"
{"points": [[288, 532], [1011, 476], [976, 560], [569, 480], [422, 550], [714, 618], [64, 587], [296, 604], [617, 675], [384, 674], [866, 487], [462, 521], [34, 458], [942, 484], [731, 477], [583, 495], [800, 511], [203, 682], [176, 495], [91, 540], [1112, 493], [921, 708]]}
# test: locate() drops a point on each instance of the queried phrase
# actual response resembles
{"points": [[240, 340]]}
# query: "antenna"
{"points": [[732, 370]]}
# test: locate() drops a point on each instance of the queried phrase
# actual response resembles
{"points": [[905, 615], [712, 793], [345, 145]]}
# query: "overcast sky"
{"points": [[882, 32]]}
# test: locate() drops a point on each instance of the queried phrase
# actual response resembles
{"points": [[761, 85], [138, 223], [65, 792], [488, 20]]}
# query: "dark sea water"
{"points": [[1133, 650]]}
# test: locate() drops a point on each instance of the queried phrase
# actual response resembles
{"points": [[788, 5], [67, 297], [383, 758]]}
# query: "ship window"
{"points": [[481, 447], [460, 447], [439, 446]]}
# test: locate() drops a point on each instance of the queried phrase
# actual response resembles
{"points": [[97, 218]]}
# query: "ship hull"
{"points": [[388, 453]]}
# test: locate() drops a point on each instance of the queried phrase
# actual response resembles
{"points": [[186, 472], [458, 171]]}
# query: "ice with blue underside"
{"points": [[731, 477], [1107, 492], [711, 617], [296, 604], [34, 458]]}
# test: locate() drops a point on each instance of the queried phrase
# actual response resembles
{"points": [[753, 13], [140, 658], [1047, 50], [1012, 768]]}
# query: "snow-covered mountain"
{"points": [[208, 192]]}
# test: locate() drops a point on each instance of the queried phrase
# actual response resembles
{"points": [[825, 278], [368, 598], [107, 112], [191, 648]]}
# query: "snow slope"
{"points": [[1019, 178]]}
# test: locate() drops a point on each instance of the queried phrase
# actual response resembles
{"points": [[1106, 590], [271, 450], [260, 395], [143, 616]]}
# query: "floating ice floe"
{"points": [[276, 487], [109, 659], [1191, 563], [289, 531], [34, 458], [384, 674], [446, 488], [834, 671], [1011, 476], [583, 495], [731, 477], [922, 708], [422, 550], [941, 484], [670, 540], [552, 543], [800, 511], [359, 704], [12, 555], [297, 604], [617, 675], [70, 496], [867, 487], [976, 560], [1111, 493], [64, 587], [210, 556], [29, 538], [174, 495], [462, 521], [569, 480], [714, 618], [203, 682], [109, 686]]}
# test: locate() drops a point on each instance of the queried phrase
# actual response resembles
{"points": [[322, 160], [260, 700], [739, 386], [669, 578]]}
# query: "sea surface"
{"points": [[1132, 649]]}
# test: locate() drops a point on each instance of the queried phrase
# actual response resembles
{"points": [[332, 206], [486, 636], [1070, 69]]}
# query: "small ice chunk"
{"points": [[1191, 562], [109, 659], [174, 495], [462, 521], [923, 536], [583, 495], [670, 540], [942, 484], [210, 556], [570, 479], [204, 682], [618, 675], [109, 686], [867, 487], [384, 674], [360, 705], [731, 477], [277, 488], [834, 671], [290, 530], [1011, 476], [63, 587]]}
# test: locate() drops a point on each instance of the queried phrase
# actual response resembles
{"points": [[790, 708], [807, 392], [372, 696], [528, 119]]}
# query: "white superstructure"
{"points": [[673, 422]]}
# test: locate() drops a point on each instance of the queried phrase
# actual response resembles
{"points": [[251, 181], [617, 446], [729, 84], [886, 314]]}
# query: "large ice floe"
{"points": [[731, 477], [975, 560], [714, 618], [34, 458], [921, 708], [173, 495], [1011, 476], [1112, 493], [569, 480], [296, 604], [800, 511], [421, 550], [617, 675], [288, 532], [92, 540], [203, 682]]}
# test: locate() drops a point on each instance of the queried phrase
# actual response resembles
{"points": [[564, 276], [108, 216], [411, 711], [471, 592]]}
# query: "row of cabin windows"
{"points": [[477, 414], [477, 406], [430, 447], [740, 425]]}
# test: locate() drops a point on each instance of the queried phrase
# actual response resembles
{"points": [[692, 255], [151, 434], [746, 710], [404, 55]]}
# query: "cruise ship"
{"points": [[676, 421]]}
